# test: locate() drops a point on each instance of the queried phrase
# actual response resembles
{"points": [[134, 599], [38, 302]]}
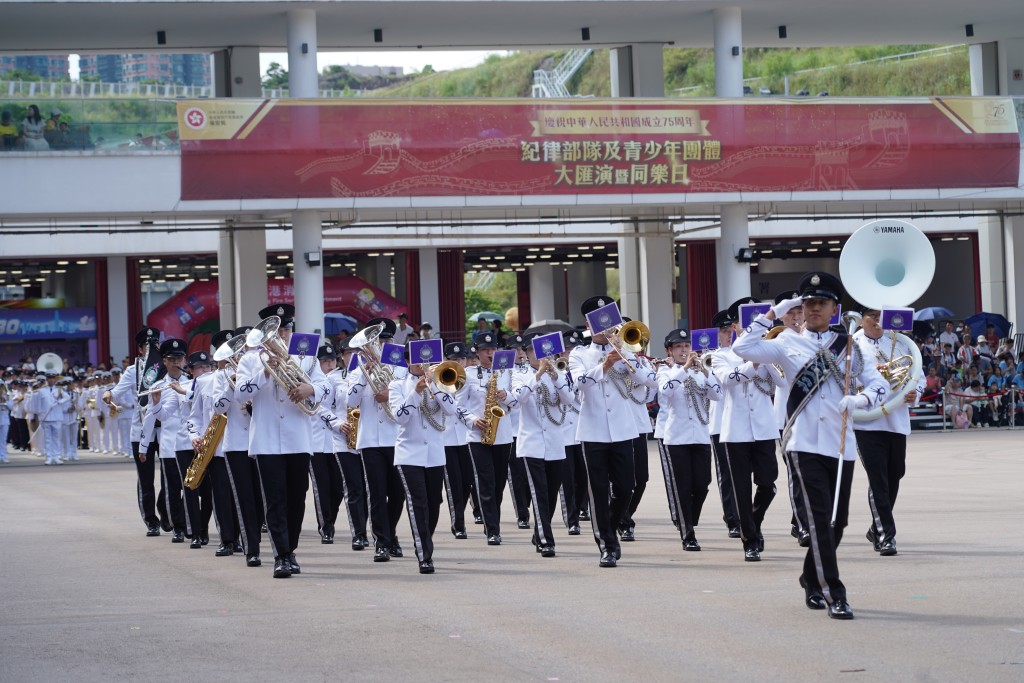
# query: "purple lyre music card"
{"points": [[603, 318], [704, 340], [426, 350], [393, 354], [303, 344], [834, 320], [548, 345], [750, 311], [353, 362], [503, 360], [898, 319]]}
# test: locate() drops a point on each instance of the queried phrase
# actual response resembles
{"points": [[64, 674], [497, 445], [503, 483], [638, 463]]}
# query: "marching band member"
{"points": [[606, 437], [421, 411], [281, 438], [49, 403], [685, 393], [172, 353], [575, 499], [350, 463], [375, 441], [882, 443], [6, 404], [748, 437], [814, 428], [518, 487], [122, 426], [458, 468], [544, 397], [19, 424], [69, 422], [324, 469], [724, 322], [490, 462], [235, 444], [103, 413]]}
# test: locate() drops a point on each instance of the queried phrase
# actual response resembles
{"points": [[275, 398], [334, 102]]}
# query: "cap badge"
{"points": [[815, 280], [174, 344], [280, 310], [456, 348], [600, 302]]}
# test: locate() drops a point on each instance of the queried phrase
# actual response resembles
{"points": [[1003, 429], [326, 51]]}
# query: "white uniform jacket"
{"points": [[897, 421], [817, 427], [278, 425], [685, 421], [541, 427], [376, 429], [456, 433], [473, 398], [419, 443], [747, 413], [604, 413], [49, 404], [203, 402], [236, 433], [643, 388], [173, 410]]}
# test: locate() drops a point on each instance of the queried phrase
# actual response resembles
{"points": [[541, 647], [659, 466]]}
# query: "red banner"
{"points": [[250, 149]]}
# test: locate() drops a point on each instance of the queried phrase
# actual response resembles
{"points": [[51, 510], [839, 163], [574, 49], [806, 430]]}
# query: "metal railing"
{"points": [[552, 82], [93, 89], [1011, 403]]}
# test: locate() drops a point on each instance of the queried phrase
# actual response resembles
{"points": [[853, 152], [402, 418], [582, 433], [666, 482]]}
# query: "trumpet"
{"points": [[287, 374]]}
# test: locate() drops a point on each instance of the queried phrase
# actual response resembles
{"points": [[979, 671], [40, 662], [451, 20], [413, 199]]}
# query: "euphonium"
{"points": [[378, 375], [353, 424], [288, 374], [492, 412], [207, 446]]}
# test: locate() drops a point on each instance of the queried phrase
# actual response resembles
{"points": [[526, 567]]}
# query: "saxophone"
{"points": [[353, 425], [207, 446], [492, 412]]}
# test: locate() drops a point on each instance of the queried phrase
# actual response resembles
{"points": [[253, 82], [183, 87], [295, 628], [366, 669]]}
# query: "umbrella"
{"points": [[336, 322], [486, 315], [933, 313], [979, 323], [549, 326]]}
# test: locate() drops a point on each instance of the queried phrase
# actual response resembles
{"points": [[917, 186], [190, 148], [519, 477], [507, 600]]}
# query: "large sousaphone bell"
{"points": [[885, 264]]}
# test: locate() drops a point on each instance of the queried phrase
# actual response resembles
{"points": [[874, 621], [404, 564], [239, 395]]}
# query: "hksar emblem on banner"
{"points": [[898, 319], [195, 118], [705, 339]]}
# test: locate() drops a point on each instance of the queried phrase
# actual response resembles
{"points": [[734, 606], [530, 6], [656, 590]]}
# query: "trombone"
{"points": [[288, 374], [448, 376], [630, 337]]}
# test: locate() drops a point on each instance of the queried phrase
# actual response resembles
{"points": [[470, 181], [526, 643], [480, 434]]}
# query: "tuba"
{"points": [[889, 263], [207, 446], [287, 374], [378, 375]]}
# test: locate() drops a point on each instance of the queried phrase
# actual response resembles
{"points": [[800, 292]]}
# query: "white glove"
{"points": [[786, 305], [847, 404]]}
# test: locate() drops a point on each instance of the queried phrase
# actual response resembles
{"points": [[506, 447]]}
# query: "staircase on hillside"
{"points": [[551, 82]]}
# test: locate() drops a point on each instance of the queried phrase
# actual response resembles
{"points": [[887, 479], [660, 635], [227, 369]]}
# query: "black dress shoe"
{"points": [[547, 551], [178, 537], [204, 540], [357, 543], [691, 545], [574, 530], [812, 596], [494, 539], [477, 519], [196, 544], [237, 547], [153, 530], [584, 515], [751, 554], [734, 532], [327, 539], [282, 570], [840, 609], [523, 524], [804, 540], [225, 549], [617, 552], [427, 567], [872, 536], [263, 529], [395, 550], [627, 535], [253, 561], [461, 535], [888, 548], [293, 564], [364, 540], [381, 555], [794, 531], [607, 560], [760, 543]]}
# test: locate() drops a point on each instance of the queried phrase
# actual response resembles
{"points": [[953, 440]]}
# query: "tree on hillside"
{"points": [[276, 76]]}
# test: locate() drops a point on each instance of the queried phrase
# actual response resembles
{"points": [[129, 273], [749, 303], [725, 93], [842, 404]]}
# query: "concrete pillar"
{"points": [[542, 293], [728, 40], [1013, 244], [236, 72], [1011, 67], [117, 307], [681, 288], [559, 293], [303, 77], [638, 71], [984, 69], [586, 279], [226, 280], [249, 249], [307, 255], [629, 276], [657, 269], [430, 292], [733, 276], [992, 264]]}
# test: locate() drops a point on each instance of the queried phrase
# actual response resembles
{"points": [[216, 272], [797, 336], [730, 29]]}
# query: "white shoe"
{"points": [[48, 462], [58, 461]]}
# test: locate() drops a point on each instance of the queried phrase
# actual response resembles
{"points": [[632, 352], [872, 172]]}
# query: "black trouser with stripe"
{"points": [[247, 503], [458, 472], [641, 475], [666, 471], [731, 515], [796, 501], [386, 495], [328, 490], [610, 478], [354, 482], [817, 474], [257, 491], [690, 469], [884, 456], [223, 500], [518, 487], [285, 480], [422, 486], [171, 493], [146, 472], [490, 468], [198, 506], [745, 461], [570, 504], [544, 477], [581, 484]]}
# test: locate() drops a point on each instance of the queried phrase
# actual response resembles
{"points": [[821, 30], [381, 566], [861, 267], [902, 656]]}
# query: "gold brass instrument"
{"points": [[353, 424], [449, 376], [288, 374], [631, 337], [492, 412], [207, 446], [90, 403], [378, 375], [229, 352]]}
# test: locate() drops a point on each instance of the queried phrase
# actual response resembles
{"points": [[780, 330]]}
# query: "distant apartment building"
{"points": [[47, 67], [178, 69]]}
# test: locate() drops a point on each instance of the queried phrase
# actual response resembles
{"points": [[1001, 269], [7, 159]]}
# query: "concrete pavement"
{"points": [[86, 597]]}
